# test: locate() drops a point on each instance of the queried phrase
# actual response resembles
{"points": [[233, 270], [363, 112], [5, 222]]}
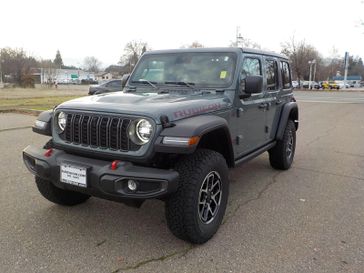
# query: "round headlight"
{"points": [[143, 130], [61, 121]]}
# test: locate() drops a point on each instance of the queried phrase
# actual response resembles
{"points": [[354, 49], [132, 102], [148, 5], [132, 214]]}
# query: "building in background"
{"points": [[103, 76], [353, 81], [61, 76]]}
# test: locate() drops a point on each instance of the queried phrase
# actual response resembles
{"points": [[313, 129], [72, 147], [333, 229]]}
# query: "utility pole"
{"points": [[1, 74], [311, 63], [239, 38], [346, 68]]}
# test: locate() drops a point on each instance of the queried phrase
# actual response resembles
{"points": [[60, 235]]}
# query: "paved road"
{"points": [[330, 96], [307, 219]]}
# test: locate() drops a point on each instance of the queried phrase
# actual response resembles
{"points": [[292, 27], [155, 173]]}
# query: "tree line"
{"points": [[16, 64]]}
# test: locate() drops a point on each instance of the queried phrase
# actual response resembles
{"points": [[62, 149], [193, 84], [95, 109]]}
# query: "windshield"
{"points": [[207, 69]]}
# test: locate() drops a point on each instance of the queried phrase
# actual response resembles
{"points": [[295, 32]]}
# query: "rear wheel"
{"points": [[59, 196], [282, 154], [194, 213]]}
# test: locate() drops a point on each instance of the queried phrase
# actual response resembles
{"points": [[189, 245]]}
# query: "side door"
{"points": [[271, 84], [250, 125]]}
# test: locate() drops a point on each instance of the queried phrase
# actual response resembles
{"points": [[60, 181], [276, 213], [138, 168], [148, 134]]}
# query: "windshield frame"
{"points": [[133, 81]]}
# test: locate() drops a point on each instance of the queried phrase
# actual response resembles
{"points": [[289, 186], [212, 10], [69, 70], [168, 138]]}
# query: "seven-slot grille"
{"points": [[105, 132]]}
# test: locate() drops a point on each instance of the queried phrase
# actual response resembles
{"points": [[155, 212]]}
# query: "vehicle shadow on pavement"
{"points": [[129, 235]]}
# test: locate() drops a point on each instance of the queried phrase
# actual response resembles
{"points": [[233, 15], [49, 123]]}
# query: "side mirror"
{"points": [[124, 79], [253, 84]]}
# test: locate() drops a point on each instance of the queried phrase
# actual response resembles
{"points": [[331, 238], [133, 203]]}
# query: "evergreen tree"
{"points": [[58, 60]]}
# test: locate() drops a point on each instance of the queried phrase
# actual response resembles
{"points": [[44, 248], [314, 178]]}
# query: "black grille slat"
{"points": [[68, 128], [124, 140], [93, 131], [76, 128], [84, 130], [103, 132], [113, 133], [106, 132]]}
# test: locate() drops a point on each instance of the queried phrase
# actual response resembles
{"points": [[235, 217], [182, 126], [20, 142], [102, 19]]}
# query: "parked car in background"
{"points": [[295, 84], [340, 84], [314, 85], [333, 85], [108, 86]]}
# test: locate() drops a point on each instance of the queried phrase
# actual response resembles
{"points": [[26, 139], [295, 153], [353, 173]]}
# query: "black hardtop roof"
{"points": [[219, 49]]}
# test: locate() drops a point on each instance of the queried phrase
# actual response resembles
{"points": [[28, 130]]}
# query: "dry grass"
{"points": [[33, 103], [40, 98]]}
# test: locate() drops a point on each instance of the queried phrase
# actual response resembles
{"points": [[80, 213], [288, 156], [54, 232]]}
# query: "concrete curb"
{"points": [[22, 111]]}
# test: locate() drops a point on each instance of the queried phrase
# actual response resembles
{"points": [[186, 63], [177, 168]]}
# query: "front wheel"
{"points": [[281, 155], [194, 213]]}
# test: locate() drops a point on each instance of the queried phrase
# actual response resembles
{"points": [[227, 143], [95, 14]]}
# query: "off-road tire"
{"points": [[183, 209], [59, 196], [278, 157]]}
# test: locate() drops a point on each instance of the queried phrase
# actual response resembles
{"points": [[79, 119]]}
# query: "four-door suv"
{"points": [[108, 86], [184, 118]]}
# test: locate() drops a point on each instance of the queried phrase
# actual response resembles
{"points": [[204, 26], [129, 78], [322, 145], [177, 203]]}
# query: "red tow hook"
{"points": [[48, 153], [114, 164]]}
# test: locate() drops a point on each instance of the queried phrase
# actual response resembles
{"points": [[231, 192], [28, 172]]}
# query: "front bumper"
{"points": [[102, 181]]}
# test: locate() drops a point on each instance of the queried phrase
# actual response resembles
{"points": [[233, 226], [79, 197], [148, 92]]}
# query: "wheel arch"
{"points": [[289, 112], [213, 133]]}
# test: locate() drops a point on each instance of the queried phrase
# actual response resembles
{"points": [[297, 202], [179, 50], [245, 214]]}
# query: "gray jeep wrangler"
{"points": [[183, 119]]}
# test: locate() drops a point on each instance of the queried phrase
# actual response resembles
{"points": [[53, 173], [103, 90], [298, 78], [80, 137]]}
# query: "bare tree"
{"points": [[16, 65], [245, 42], [194, 44], [132, 52], [300, 54], [48, 71], [91, 64]]}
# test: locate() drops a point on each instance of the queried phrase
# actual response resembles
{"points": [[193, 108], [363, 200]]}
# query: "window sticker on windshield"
{"points": [[223, 74]]}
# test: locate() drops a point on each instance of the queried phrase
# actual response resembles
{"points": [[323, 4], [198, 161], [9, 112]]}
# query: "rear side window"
{"points": [[271, 70], [286, 75]]}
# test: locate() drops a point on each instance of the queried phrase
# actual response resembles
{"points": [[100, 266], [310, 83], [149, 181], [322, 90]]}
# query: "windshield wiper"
{"points": [[189, 84], [144, 81]]}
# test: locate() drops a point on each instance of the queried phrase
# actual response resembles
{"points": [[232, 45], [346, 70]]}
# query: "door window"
{"points": [[286, 75], [271, 71], [251, 67]]}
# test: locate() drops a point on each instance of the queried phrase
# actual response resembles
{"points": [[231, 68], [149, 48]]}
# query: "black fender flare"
{"points": [[289, 111], [196, 126], [46, 117]]}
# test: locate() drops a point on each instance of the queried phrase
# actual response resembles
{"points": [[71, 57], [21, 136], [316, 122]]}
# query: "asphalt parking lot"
{"points": [[307, 219]]}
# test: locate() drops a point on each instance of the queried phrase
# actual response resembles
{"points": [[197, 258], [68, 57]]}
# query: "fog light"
{"points": [[132, 185]]}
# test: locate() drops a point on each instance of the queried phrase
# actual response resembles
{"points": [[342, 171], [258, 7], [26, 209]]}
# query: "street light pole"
{"points": [[1, 73], [313, 62]]}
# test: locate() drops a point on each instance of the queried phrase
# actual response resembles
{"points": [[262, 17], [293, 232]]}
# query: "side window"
{"points": [[271, 70], [286, 75], [251, 67]]}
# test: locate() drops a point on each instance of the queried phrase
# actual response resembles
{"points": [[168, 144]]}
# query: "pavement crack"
{"points": [[328, 173], [179, 253], [321, 136], [257, 197], [16, 128]]}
